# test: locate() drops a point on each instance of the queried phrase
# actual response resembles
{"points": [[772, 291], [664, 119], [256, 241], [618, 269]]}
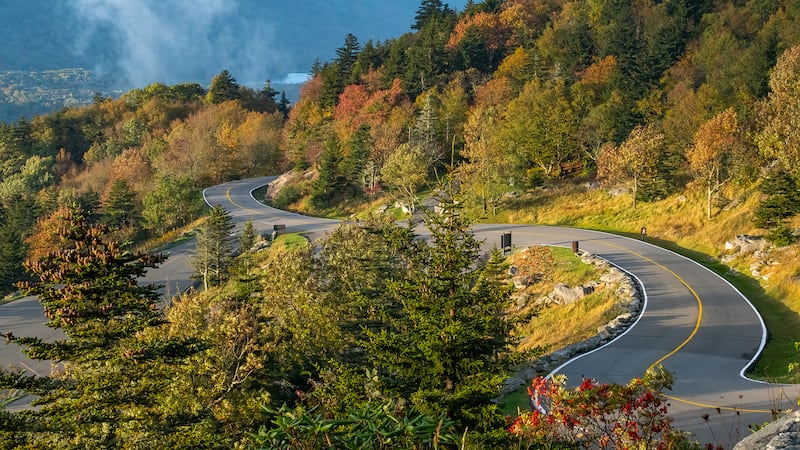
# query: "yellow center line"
{"points": [[688, 339], [230, 199]]}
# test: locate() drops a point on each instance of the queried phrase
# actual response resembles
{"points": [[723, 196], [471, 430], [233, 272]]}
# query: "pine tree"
{"points": [[353, 164], [330, 178], [212, 258], [223, 88], [120, 210], [106, 389], [448, 350]]}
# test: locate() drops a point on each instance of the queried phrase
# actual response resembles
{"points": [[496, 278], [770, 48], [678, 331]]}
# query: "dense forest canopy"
{"points": [[657, 96], [514, 93]]}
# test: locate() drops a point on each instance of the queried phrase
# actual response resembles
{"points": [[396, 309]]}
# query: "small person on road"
{"points": [[644, 232]]}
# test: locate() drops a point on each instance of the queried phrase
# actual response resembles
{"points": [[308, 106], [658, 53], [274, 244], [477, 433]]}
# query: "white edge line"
{"points": [[758, 315], [635, 322]]}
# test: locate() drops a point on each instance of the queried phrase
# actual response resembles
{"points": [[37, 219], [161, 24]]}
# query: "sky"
{"points": [[174, 41]]}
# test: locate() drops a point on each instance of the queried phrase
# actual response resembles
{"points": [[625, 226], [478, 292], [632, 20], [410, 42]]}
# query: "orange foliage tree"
{"points": [[711, 158]]}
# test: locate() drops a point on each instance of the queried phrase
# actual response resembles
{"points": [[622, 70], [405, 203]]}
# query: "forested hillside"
{"points": [[509, 98]]}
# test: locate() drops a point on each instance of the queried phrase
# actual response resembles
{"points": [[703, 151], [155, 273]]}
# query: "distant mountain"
{"points": [[132, 44]]}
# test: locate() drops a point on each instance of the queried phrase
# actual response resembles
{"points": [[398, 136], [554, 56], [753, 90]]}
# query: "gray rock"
{"points": [[591, 185], [783, 433], [567, 295], [617, 191], [747, 244]]}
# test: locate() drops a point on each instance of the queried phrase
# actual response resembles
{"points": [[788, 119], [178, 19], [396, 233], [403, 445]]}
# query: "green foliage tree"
{"points": [[36, 173], [174, 202], [405, 170], [354, 162], [425, 133], [540, 127], [106, 392], [120, 209], [16, 221], [430, 10], [247, 237], [212, 259], [487, 169], [448, 349], [330, 177], [223, 88], [782, 200]]}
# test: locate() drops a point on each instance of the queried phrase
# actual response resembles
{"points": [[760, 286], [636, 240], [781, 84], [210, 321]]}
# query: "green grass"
{"points": [[290, 241], [260, 193], [516, 401], [11, 297]]}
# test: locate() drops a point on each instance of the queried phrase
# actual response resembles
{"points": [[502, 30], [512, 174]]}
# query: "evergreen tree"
{"points": [[120, 209], [223, 88], [212, 258], [106, 391], [448, 349], [325, 186], [15, 222], [353, 164], [782, 200], [247, 238], [347, 55], [430, 10]]}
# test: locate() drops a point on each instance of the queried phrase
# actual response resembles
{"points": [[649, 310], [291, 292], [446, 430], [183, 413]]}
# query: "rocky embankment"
{"points": [[627, 291]]}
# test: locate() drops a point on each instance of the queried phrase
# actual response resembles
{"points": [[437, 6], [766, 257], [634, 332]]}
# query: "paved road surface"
{"points": [[694, 323]]}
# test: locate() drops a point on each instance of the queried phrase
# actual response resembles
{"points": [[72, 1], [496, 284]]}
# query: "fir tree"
{"points": [[105, 391], [448, 349], [120, 210], [214, 247]]}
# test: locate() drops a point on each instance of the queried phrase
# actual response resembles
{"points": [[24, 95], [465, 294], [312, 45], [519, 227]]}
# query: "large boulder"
{"points": [[566, 295], [783, 433], [745, 244]]}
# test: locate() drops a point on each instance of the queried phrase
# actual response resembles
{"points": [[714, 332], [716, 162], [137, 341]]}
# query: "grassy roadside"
{"points": [[678, 223]]}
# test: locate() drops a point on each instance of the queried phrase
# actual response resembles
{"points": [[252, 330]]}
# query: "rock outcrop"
{"points": [[629, 294], [783, 434]]}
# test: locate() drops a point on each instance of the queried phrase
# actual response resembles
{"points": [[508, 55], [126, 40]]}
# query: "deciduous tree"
{"points": [[711, 158], [487, 171], [779, 138], [633, 159], [405, 170], [540, 125]]}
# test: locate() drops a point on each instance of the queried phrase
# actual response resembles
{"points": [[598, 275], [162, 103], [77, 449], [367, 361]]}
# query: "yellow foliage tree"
{"points": [[633, 159]]}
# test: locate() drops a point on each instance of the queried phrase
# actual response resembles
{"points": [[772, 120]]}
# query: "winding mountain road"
{"points": [[694, 323]]}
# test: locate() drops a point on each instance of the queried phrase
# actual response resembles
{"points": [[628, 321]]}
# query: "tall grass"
{"points": [[556, 326]]}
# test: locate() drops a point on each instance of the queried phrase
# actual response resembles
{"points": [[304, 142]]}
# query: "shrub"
{"points": [[371, 426], [288, 195], [781, 236], [596, 415]]}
